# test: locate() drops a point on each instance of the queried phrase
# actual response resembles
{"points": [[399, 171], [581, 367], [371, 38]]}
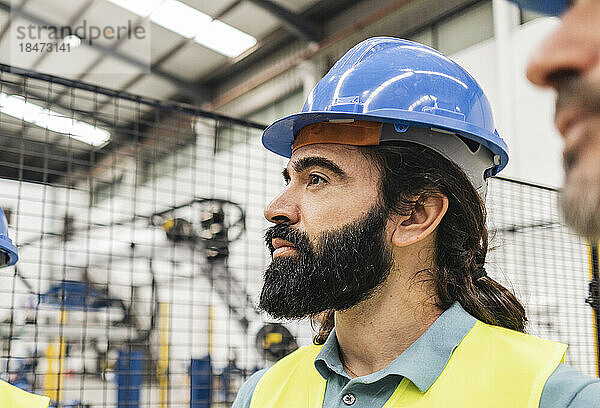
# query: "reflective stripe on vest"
{"points": [[13, 397], [492, 367]]}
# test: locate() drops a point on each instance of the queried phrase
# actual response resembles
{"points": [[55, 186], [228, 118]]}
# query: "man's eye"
{"points": [[315, 179]]}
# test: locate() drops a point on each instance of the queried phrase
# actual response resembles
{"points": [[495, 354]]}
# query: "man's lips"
{"points": [[570, 118], [573, 124], [567, 117], [282, 246]]}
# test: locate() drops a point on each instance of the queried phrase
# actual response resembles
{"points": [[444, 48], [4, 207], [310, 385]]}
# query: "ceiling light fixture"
{"points": [[142, 8], [224, 39], [19, 108], [192, 23], [180, 18]]}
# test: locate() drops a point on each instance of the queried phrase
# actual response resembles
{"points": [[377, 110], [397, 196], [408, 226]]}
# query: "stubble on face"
{"points": [[579, 100], [580, 197]]}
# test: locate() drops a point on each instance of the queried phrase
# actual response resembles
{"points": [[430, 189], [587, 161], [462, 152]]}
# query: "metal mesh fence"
{"points": [[141, 257], [545, 264]]}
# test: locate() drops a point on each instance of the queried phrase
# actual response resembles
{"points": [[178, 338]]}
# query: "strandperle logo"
{"points": [[85, 31], [82, 47]]}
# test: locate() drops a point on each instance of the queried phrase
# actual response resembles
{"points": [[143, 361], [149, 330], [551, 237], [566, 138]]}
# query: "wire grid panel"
{"points": [[141, 258], [546, 265]]}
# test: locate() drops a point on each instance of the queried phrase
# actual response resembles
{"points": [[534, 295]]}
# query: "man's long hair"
{"points": [[411, 173]]}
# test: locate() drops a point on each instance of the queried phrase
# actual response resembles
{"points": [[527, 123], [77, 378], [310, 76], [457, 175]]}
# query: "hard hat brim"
{"points": [[279, 136], [8, 247], [548, 7]]}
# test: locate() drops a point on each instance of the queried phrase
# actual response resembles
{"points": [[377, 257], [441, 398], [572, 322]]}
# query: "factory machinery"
{"points": [[80, 329]]}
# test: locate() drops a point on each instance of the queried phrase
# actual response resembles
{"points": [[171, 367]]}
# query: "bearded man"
{"points": [[381, 231]]}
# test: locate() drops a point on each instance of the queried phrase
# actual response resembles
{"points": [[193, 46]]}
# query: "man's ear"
{"points": [[422, 221]]}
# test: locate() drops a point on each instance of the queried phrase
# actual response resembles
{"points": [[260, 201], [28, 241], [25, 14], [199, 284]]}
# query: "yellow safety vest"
{"points": [[13, 397], [492, 367]]}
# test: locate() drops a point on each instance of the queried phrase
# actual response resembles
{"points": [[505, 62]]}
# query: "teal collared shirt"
{"points": [[422, 363]]}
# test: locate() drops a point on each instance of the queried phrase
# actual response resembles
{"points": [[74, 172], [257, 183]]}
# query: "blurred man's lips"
{"points": [[565, 119], [282, 247], [573, 124]]}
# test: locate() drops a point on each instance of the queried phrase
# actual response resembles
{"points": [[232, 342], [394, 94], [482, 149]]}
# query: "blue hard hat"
{"points": [[550, 7], [8, 252], [390, 80]]}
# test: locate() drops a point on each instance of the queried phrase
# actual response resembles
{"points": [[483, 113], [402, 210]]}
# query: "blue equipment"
{"points": [[75, 295], [8, 252], [390, 80], [550, 7], [130, 375], [201, 379]]}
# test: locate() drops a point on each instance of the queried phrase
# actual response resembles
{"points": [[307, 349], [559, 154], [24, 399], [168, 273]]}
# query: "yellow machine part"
{"points": [[594, 263], [55, 363], [163, 361]]}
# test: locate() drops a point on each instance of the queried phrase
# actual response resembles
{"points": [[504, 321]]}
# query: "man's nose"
{"points": [[566, 51], [283, 209]]}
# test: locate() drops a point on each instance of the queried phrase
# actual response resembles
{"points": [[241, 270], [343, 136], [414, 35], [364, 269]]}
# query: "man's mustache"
{"points": [[290, 234], [573, 91]]}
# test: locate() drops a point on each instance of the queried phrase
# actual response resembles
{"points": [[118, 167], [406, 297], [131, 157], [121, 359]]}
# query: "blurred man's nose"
{"points": [[569, 50], [283, 209]]}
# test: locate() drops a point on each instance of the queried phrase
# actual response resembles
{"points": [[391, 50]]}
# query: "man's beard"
{"points": [[580, 198], [345, 267], [580, 205]]}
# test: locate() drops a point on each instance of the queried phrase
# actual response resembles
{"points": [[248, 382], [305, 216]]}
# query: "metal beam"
{"points": [[184, 87], [168, 106], [201, 97], [297, 25], [320, 12], [6, 27]]}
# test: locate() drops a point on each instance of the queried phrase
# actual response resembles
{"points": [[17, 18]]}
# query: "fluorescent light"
{"points": [[142, 8], [180, 18], [191, 23], [19, 108], [224, 38], [72, 40]]}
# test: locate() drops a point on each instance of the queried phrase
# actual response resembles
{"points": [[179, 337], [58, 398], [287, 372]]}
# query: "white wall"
{"points": [[527, 124]]}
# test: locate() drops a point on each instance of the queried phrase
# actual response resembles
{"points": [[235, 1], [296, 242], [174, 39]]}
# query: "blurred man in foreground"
{"points": [[569, 62]]}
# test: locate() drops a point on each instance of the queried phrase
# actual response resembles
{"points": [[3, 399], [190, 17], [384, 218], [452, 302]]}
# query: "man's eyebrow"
{"points": [[317, 161]]}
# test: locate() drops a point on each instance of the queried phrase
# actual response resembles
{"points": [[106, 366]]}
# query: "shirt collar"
{"points": [[422, 363]]}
